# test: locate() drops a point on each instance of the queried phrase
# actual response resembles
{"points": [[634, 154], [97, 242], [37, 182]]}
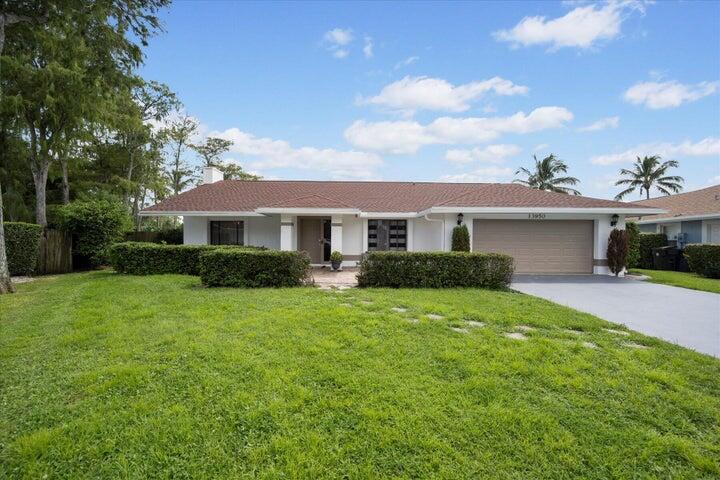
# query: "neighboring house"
{"points": [[545, 232], [691, 217]]}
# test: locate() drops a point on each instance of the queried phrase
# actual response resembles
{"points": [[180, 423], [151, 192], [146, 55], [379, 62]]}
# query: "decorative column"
{"points": [[287, 232], [336, 233]]}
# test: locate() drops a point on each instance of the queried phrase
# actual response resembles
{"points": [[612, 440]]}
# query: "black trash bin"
{"points": [[669, 258]]}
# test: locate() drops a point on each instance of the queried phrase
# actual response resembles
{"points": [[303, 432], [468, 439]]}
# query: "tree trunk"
{"points": [[131, 167], [6, 285], [65, 181], [40, 175]]}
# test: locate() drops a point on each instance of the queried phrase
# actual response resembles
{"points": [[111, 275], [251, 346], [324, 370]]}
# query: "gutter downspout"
{"points": [[442, 243]]}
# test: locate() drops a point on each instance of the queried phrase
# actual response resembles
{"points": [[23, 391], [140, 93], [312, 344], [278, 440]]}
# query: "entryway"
{"points": [[314, 237]]}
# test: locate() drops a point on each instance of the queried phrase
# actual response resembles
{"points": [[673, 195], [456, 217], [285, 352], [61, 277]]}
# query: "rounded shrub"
{"points": [[646, 243], [94, 226], [22, 246]]}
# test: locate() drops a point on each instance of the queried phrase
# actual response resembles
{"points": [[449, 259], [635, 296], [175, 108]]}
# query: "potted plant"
{"points": [[336, 259]]}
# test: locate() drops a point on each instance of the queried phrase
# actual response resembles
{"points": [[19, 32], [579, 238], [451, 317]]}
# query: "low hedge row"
{"points": [[22, 246], [704, 259], [243, 268], [145, 258], [435, 270], [648, 241]]}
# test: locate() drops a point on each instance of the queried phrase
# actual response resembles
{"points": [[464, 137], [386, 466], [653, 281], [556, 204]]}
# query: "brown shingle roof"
{"points": [[699, 202], [246, 196]]}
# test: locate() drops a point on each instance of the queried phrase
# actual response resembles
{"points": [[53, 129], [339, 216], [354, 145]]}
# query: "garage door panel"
{"points": [[550, 246]]}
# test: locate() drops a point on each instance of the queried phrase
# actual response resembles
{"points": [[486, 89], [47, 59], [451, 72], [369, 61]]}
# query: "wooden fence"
{"points": [[55, 252], [142, 236]]}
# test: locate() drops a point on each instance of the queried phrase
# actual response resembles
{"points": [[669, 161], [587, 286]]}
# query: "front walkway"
{"points": [[687, 317], [326, 278]]}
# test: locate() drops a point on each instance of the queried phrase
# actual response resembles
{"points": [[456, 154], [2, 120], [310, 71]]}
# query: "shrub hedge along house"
{"points": [[544, 232]]}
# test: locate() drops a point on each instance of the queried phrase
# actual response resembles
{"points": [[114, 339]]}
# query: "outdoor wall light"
{"points": [[460, 218], [613, 220]]}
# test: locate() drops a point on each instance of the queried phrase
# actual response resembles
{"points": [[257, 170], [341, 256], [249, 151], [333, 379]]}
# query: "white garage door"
{"points": [[543, 246]]}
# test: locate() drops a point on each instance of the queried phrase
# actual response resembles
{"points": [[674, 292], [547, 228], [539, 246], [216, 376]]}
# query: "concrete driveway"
{"points": [[687, 317]]}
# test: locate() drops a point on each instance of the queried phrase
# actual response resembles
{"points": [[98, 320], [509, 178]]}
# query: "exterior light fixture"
{"points": [[613, 220], [459, 218]]}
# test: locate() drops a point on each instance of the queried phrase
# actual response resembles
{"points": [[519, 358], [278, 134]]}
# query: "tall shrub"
{"points": [[704, 259], [633, 256], [94, 225], [617, 251], [460, 239], [22, 245], [646, 243]]}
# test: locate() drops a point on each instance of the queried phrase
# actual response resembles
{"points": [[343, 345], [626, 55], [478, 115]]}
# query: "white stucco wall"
{"points": [[428, 235], [195, 230], [352, 231], [711, 231]]}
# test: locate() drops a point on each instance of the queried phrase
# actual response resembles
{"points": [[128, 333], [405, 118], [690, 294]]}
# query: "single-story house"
{"points": [[545, 232], [691, 217]]}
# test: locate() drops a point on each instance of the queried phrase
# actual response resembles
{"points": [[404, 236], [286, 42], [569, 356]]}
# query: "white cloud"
{"points": [[542, 146], [268, 153], [368, 47], [338, 36], [416, 93], [404, 63], [409, 136], [336, 40], [490, 154], [582, 27], [707, 147], [602, 124], [481, 175], [656, 95]]}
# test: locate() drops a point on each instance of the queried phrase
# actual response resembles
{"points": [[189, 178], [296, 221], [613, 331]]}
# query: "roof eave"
{"points": [[680, 218], [569, 210], [197, 213]]}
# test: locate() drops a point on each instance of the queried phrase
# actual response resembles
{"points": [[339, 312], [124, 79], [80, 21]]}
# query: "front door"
{"points": [[315, 238]]}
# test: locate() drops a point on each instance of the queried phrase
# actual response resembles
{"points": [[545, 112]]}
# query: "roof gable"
{"points": [[705, 201]]}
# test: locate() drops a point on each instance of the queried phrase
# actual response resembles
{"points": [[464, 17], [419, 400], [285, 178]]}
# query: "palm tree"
{"points": [[545, 176], [648, 172]]}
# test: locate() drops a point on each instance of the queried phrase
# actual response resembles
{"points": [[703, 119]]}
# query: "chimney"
{"points": [[212, 175]]}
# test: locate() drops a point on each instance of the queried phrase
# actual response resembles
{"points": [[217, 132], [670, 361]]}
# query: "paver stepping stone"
{"points": [[399, 309], [412, 320], [634, 345], [433, 316], [616, 332], [474, 324], [366, 302], [459, 330], [516, 336], [525, 328], [588, 345], [346, 305]]}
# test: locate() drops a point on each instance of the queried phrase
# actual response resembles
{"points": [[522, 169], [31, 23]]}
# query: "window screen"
{"points": [[387, 235], [227, 233]]}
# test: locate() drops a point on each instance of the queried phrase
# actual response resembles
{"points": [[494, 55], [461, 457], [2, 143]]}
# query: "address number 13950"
{"points": [[536, 216]]}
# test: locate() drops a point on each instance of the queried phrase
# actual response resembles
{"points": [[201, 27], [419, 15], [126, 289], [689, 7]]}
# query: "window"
{"points": [[227, 233], [387, 235]]}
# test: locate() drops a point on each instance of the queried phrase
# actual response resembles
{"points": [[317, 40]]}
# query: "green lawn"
{"points": [[680, 279], [109, 376]]}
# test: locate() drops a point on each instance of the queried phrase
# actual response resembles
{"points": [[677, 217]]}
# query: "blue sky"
{"points": [[449, 91]]}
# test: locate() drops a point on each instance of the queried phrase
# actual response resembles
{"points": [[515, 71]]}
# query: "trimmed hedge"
{"points": [[22, 246], [145, 258], [704, 259], [648, 241], [245, 268], [435, 270]]}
